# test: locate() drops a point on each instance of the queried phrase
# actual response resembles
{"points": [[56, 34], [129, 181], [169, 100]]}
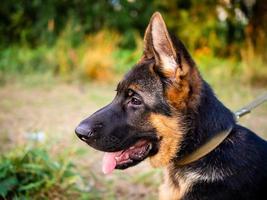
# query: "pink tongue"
{"points": [[109, 162]]}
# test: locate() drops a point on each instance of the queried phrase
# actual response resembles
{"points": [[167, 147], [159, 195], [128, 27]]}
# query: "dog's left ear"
{"points": [[158, 45]]}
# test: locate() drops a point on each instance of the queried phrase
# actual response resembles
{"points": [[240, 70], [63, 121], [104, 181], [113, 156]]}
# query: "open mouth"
{"points": [[126, 158]]}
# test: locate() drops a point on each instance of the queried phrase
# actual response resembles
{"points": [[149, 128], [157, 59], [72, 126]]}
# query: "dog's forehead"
{"points": [[142, 76], [142, 79]]}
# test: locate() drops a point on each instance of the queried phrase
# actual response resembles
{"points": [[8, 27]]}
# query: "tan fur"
{"points": [[168, 191], [170, 133], [179, 95], [135, 87]]}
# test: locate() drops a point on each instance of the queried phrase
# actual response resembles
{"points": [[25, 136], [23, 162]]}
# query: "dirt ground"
{"points": [[54, 110]]}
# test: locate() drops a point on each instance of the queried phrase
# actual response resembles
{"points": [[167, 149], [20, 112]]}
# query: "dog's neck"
{"points": [[209, 119]]}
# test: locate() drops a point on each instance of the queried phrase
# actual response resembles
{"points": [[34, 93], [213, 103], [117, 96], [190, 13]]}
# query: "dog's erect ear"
{"points": [[158, 45], [174, 63]]}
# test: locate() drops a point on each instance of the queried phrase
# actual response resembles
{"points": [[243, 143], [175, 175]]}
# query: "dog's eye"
{"points": [[135, 101]]}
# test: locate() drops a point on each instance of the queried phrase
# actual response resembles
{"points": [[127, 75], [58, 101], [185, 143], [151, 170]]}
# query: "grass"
{"points": [[32, 173]]}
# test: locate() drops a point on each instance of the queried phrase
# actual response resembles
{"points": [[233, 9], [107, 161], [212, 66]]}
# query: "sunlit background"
{"points": [[60, 61]]}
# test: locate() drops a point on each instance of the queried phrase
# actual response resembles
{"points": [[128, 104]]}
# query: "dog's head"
{"points": [[145, 119]]}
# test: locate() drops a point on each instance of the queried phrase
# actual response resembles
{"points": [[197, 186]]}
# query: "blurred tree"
{"points": [[223, 25], [218, 27], [193, 21], [34, 22], [256, 30]]}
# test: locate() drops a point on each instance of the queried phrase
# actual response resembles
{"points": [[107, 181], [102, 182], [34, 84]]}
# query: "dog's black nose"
{"points": [[86, 132]]}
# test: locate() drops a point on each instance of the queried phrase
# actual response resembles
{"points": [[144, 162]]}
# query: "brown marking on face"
{"points": [[170, 135], [135, 87]]}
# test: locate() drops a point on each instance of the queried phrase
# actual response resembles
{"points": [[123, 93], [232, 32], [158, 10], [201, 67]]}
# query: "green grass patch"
{"points": [[32, 173]]}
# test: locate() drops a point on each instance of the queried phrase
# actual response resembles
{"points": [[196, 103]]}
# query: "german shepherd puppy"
{"points": [[164, 111]]}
